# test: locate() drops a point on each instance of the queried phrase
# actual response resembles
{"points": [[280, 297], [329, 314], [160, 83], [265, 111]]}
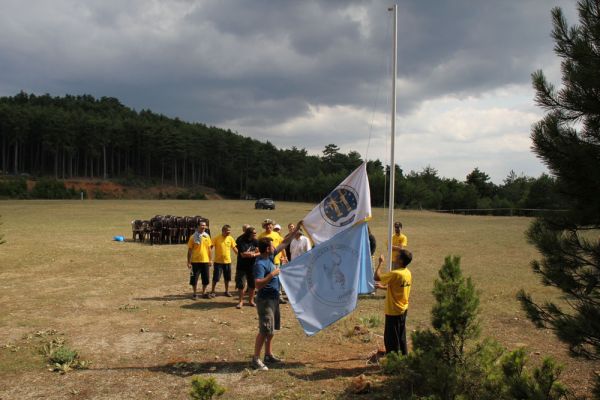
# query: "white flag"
{"points": [[348, 204]]}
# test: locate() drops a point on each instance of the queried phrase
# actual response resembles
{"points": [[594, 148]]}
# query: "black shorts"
{"points": [[225, 269], [199, 269], [243, 275]]}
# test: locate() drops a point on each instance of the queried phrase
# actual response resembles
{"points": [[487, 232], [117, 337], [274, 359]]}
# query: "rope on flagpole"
{"points": [[378, 92]]}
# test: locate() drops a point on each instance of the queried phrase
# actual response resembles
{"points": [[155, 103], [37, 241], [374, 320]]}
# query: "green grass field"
{"points": [[126, 306]]}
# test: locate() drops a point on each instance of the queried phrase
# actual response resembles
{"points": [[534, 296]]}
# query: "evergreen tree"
{"points": [[454, 316], [481, 181], [447, 363], [567, 139]]}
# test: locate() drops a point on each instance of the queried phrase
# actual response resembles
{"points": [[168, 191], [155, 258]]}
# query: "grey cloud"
{"points": [[263, 63]]}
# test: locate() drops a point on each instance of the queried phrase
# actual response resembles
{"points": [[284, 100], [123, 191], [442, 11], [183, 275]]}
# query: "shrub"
{"points": [[98, 194], [14, 188], [205, 388], [372, 321], [62, 355], [541, 384], [190, 195], [62, 358], [52, 189]]}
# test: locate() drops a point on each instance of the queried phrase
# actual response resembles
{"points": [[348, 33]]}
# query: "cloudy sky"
{"points": [[305, 73]]}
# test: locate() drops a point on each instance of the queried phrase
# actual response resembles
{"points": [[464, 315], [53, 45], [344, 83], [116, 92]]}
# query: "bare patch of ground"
{"points": [[106, 189]]}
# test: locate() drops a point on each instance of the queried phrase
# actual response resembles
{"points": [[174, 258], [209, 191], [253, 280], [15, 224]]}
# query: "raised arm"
{"points": [[288, 238], [377, 276]]}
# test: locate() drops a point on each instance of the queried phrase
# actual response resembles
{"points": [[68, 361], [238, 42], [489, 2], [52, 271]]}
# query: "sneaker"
{"points": [[257, 364], [271, 359], [228, 294], [212, 295], [239, 306]]}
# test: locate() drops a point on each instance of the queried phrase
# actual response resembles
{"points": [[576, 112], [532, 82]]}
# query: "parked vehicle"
{"points": [[265, 204]]}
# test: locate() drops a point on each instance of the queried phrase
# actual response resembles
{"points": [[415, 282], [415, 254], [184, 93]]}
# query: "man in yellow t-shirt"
{"points": [[276, 238], [223, 244], [399, 241], [397, 282], [198, 258]]}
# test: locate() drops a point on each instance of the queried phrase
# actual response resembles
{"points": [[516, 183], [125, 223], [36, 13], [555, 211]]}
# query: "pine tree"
{"points": [[567, 139], [449, 363], [454, 315]]}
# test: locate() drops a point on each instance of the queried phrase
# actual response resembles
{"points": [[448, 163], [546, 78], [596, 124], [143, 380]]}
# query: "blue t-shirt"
{"points": [[262, 268]]}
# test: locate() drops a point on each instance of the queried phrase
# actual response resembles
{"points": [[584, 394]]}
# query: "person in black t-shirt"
{"points": [[247, 246], [372, 242]]}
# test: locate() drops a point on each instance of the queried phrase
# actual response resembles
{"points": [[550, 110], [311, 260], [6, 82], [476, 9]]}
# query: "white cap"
{"points": [[277, 226]]}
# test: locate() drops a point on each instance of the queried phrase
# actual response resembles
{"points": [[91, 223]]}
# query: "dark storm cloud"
{"points": [[263, 63], [334, 51]]}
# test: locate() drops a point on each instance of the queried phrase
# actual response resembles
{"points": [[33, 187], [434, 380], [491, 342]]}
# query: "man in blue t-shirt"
{"points": [[266, 275]]}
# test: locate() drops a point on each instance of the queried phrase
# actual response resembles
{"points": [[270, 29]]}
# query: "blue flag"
{"points": [[323, 284]]}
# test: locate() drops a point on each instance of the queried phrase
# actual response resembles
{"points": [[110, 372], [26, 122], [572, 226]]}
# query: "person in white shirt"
{"points": [[299, 245]]}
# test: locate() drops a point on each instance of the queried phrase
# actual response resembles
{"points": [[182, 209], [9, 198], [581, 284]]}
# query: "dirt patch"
{"points": [[106, 189]]}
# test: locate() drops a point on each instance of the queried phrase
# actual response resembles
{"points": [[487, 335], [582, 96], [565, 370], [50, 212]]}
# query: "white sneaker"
{"points": [[257, 364]]}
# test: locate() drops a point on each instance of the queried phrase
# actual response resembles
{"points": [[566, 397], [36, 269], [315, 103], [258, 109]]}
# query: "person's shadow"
{"points": [[167, 297], [189, 368], [198, 304], [205, 304]]}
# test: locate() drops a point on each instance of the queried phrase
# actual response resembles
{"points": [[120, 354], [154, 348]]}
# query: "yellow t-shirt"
{"points": [[398, 240], [277, 239], [223, 246], [200, 251], [398, 283]]}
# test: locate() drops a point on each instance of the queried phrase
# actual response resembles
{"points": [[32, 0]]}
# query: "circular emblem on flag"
{"points": [[339, 208], [326, 278]]}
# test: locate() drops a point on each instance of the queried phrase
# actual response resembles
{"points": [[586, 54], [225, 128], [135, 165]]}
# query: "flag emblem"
{"points": [[339, 208], [348, 204], [327, 275]]}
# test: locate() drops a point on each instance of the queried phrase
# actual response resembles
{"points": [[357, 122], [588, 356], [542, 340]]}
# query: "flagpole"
{"points": [[393, 136]]}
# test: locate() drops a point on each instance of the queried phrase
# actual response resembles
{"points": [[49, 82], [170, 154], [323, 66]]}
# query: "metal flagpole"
{"points": [[393, 134]]}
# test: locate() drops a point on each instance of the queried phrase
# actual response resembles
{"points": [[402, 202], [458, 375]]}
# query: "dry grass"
{"points": [[60, 269]]}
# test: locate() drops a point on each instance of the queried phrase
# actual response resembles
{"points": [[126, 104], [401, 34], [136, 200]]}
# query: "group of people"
{"points": [[200, 257], [259, 258]]}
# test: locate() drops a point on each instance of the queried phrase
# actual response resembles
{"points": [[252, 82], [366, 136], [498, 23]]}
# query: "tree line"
{"points": [[81, 136]]}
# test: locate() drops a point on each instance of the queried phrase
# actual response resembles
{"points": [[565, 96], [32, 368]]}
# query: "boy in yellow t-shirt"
{"points": [[397, 282], [198, 258], [223, 244]]}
